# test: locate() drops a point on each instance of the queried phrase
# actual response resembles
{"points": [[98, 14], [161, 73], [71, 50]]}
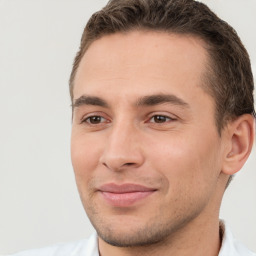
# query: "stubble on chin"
{"points": [[156, 231], [117, 229]]}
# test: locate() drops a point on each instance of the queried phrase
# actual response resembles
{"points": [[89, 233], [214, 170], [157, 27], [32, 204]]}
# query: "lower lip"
{"points": [[125, 199]]}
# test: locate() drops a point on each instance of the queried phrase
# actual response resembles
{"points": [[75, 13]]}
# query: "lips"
{"points": [[124, 195]]}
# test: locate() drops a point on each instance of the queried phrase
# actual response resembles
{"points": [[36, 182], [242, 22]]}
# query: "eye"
{"points": [[160, 119], [95, 120]]}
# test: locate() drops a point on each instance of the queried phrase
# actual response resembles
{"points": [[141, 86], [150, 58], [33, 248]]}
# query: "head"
{"points": [[162, 116]]}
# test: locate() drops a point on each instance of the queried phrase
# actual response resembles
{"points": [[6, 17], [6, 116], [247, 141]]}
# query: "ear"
{"points": [[240, 137]]}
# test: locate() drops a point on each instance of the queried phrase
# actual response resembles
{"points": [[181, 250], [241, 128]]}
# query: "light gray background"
{"points": [[39, 204]]}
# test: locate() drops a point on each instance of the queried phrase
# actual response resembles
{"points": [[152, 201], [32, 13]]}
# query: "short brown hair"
{"points": [[229, 78]]}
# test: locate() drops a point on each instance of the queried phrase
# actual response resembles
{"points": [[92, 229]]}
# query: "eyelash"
{"points": [[161, 117], [90, 121]]}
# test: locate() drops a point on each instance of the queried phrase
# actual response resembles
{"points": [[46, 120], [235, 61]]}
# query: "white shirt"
{"points": [[89, 247], [230, 246]]}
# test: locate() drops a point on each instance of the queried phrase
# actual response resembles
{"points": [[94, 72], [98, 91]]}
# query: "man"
{"points": [[163, 116]]}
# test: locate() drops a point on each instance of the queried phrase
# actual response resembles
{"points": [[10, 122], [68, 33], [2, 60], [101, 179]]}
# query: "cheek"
{"points": [[84, 154], [186, 163]]}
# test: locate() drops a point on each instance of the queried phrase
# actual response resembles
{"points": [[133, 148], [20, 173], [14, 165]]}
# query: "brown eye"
{"points": [[160, 119], [95, 120]]}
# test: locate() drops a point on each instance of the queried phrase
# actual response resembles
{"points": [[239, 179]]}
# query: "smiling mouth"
{"points": [[124, 195]]}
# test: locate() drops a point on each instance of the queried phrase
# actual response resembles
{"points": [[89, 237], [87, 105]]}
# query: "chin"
{"points": [[127, 233], [131, 239]]}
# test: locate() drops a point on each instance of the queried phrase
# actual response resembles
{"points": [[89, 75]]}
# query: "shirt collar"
{"points": [[230, 246]]}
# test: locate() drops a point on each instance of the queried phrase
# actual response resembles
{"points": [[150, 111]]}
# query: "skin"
{"points": [[126, 130]]}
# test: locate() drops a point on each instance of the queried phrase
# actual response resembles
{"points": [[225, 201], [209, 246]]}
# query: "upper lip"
{"points": [[124, 188]]}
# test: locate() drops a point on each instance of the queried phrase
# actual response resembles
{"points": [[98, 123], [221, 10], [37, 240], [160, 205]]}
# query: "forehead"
{"points": [[142, 57]]}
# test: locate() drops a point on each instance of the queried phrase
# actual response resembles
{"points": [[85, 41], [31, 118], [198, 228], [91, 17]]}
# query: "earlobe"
{"points": [[240, 140]]}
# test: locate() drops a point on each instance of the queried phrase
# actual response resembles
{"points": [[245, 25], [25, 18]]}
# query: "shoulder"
{"points": [[88, 247], [230, 246]]}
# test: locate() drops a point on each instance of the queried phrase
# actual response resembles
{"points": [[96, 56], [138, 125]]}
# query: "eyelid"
{"points": [[92, 114], [164, 114], [87, 120], [165, 117]]}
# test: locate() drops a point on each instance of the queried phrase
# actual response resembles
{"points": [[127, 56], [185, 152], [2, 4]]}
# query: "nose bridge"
{"points": [[122, 146]]}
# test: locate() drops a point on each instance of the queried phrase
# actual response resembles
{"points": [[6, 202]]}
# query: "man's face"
{"points": [[145, 148]]}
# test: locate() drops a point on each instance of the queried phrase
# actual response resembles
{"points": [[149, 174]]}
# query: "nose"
{"points": [[123, 148]]}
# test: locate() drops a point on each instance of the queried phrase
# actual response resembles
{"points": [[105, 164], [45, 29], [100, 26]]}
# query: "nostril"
{"points": [[128, 164]]}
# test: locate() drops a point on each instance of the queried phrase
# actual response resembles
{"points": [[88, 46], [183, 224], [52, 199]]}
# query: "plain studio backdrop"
{"points": [[39, 203]]}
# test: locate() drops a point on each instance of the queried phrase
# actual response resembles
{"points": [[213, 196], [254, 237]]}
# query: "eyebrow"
{"points": [[150, 100], [89, 100]]}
